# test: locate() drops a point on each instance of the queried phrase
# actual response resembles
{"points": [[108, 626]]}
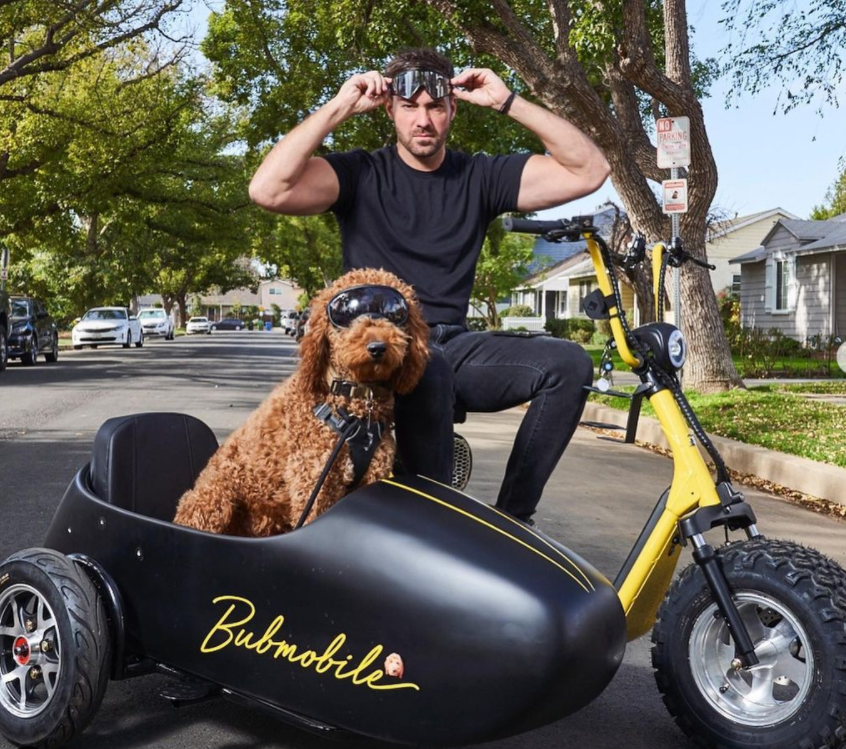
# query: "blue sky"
{"points": [[764, 160]]}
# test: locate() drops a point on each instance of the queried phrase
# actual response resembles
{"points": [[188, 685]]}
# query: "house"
{"points": [[732, 237], [795, 281], [284, 294], [557, 291]]}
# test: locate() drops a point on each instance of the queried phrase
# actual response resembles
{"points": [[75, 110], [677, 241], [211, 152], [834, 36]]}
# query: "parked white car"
{"points": [[107, 325], [156, 323], [198, 325]]}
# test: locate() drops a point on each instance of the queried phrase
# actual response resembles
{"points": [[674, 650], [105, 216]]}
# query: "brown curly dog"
{"points": [[259, 481]]}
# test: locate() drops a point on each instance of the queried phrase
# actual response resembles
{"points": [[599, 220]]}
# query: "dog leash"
{"points": [[363, 438]]}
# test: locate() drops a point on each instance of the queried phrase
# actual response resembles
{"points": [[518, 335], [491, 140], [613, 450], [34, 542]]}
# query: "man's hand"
{"points": [[480, 86], [363, 92]]}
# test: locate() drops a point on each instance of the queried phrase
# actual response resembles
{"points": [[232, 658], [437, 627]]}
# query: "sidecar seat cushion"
{"points": [[146, 462]]}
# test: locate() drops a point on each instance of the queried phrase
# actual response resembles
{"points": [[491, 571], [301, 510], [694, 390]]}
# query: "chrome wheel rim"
{"points": [[769, 692], [30, 652]]}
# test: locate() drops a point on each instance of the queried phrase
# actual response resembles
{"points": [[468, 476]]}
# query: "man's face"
{"points": [[422, 123]]}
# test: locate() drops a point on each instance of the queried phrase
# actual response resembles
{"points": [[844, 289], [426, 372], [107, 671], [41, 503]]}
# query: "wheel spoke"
{"points": [[18, 674], [750, 617], [45, 616], [761, 691], [790, 668], [50, 670]]}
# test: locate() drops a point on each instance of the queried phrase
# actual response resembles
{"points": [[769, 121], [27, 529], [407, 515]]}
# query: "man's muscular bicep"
{"points": [[545, 183], [315, 191]]}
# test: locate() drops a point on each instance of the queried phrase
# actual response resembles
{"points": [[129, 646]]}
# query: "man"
{"points": [[421, 211]]}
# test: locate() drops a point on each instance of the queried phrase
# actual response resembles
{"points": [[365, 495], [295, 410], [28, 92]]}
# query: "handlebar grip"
{"points": [[531, 226]]}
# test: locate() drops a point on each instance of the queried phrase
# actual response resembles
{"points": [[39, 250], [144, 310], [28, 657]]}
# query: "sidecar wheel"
{"points": [[54, 649], [793, 601]]}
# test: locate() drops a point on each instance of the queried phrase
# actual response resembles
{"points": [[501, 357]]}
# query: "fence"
{"points": [[525, 323]]}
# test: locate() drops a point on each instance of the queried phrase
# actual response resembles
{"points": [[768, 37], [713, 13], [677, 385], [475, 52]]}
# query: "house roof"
{"points": [[559, 252], [812, 237], [835, 239], [721, 228], [560, 268], [753, 256]]}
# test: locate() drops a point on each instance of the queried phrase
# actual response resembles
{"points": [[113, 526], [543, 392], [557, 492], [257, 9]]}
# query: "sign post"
{"points": [[673, 153]]}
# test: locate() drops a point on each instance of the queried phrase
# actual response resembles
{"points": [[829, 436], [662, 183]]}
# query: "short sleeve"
{"points": [[503, 174], [347, 167]]}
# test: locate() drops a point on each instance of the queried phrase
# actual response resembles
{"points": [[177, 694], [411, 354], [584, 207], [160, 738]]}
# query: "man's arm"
{"points": [[290, 179], [574, 166]]}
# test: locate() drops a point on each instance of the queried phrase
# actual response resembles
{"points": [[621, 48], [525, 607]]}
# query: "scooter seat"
{"points": [[145, 462]]}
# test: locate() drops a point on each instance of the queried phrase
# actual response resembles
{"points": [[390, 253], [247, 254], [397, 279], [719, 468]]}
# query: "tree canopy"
{"points": [[799, 44], [609, 67], [117, 175]]}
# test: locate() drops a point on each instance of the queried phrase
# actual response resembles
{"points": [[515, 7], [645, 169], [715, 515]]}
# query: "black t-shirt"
{"points": [[425, 227]]}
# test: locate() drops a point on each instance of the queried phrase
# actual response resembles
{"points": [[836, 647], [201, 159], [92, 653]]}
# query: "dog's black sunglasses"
{"points": [[367, 301]]}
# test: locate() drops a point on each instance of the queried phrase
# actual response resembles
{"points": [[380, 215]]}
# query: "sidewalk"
{"points": [[819, 480]]}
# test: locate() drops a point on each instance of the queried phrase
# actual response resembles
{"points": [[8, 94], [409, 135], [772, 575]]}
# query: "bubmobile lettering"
{"points": [[230, 631]]}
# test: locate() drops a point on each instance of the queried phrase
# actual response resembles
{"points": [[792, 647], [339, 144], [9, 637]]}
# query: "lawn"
{"points": [[779, 417]]}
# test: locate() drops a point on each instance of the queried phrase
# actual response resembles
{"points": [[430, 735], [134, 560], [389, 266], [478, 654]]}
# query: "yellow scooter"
{"points": [[749, 640]]}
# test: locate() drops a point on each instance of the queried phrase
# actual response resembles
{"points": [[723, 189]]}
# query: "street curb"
{"points": [[800, 474]]}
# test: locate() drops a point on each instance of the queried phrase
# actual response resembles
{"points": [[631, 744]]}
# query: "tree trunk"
{"points": [[562, 84]]}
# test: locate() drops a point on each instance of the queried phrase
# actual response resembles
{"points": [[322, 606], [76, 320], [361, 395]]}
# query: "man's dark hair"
{"points": [[420, 58]]}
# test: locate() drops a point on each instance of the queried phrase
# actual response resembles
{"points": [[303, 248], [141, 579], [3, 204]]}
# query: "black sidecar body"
{"points": [[409, 612]]}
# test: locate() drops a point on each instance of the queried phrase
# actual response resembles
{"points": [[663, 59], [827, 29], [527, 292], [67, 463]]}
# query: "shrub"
{"points": [[518, 310], [556, 327], [477, 324]]}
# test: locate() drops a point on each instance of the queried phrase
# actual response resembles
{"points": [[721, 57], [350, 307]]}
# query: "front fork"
{"points": [[733, 513]]}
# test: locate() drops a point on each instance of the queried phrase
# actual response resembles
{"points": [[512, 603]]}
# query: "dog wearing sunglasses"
{"points": [[366, 341]]}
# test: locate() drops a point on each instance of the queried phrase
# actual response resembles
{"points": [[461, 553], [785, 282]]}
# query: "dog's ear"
{"points": [[314, 350], [417, 356]]}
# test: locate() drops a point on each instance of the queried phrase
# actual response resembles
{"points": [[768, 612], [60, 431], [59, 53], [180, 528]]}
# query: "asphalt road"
{"points": [[596, 503]]}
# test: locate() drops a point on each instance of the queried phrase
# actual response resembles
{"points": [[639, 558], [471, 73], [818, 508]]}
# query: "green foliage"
{"points": [[835, 199], [518, 310], [777, 417], [800, 45], [574, 329], [502, 265]]}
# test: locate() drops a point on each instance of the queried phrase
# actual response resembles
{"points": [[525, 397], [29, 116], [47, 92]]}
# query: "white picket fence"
{"points": [[524, 323]]}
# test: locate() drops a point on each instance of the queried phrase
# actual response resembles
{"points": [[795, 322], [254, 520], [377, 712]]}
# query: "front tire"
{"points": [[54, 649], [140, 341], [30, 357], [128, 340], [4, 349], [52, 356], [793, 601]]}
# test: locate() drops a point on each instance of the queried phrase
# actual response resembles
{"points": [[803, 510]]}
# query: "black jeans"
{"points": [[488, 372]]}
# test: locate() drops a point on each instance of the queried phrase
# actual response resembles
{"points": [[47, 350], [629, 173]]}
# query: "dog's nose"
{"points": [[377, 349]]}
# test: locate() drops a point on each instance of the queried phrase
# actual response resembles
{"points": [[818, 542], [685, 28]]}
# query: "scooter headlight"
{"points": [[666, 344], [677, 349]]}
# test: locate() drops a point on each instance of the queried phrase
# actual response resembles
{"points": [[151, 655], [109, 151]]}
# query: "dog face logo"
{"points": [[394, 666]]}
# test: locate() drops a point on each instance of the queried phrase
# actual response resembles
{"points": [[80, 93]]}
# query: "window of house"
{"points": [[274, 291], [782, 284], [735, 284], [585, 288]]}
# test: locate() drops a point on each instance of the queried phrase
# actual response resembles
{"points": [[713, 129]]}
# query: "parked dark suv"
{"points": [[33, 331]]}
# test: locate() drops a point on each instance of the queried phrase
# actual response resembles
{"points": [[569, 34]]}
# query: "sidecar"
{"points": [[409, 612]]}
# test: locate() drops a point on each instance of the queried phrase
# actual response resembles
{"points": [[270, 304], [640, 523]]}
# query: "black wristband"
{"points": [[508, 102]]}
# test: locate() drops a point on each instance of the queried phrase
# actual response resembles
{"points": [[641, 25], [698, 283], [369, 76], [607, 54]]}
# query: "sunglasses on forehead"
{"points": [[407, 83], [367, 301]]}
